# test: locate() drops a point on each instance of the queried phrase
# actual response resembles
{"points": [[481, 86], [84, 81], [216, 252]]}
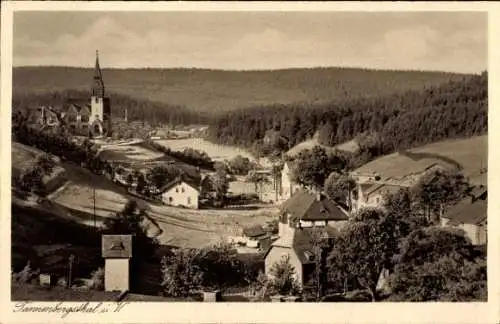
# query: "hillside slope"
{"points": [[470, 155], [454, 109], [217, 90]]}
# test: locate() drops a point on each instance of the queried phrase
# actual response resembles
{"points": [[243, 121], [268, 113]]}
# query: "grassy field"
{"points": [[130, 152], [213, 90], [216, 151], [470, 154], [24, 157], [175, 226]]}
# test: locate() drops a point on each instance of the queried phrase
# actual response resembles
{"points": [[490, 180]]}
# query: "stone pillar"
{"points": [[212, 296], [117, 252]]}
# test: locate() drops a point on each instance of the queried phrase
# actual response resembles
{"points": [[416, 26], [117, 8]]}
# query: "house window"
{"points": [[189, 200], [170, 199], [182, 189], [84, 118], [176, 189], [377, 200]]}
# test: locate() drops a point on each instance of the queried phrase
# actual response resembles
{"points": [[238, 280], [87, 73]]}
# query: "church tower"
{"points": [[100, 110]]}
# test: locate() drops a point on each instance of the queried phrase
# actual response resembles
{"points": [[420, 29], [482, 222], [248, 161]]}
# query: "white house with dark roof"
{"points": [[182, 191], [470, 215], [304, 218], [372, 195]]}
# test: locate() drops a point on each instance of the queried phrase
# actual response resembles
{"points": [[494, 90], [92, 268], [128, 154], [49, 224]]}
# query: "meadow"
{"points": [[74, 200], [471, 154], [217, 152]]}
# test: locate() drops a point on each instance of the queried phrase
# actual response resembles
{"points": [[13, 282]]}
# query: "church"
{"points": [[81, 115]]}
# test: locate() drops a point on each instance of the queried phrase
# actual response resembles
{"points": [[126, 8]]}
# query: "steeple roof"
{"points": [[98, 84], [97, 68]]}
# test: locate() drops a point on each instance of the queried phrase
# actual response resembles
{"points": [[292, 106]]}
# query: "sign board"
{"points": [[117, 246]]}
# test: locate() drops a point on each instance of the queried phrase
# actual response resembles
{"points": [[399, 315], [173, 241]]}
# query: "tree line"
{"points": [[457, 108], [189, 155]]}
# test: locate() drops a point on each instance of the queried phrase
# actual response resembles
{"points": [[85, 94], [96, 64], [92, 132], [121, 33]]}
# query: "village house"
{"points": [[305, 218], [46, 116], [470, 215], [368, 195], [387, 175], [182, 191], [256, 236]]}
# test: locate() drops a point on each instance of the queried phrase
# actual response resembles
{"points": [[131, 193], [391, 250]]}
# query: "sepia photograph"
{"points": [[249, 156]]}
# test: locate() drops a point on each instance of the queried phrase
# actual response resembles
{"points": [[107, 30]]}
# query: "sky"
{"points": [[442, 41]]}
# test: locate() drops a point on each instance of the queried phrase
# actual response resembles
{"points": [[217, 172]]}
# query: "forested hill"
{"points": [[455, 109], [138, 109], [217, 90]]}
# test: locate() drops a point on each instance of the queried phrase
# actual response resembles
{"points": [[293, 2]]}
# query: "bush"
{"points": [[26, 275], [98, 279]]}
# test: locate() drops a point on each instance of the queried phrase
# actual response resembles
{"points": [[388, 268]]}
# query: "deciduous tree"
{"points": [[365, 247], [181, 275], [438, 264], [438, 189], [283, 280], [339, 186]]}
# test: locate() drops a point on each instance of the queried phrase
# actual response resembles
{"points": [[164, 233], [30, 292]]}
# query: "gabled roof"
{"points": [[189, 181], [78, 103], [468, 211], [304, 205], [478, 191], [382, 188], [254, 231]]}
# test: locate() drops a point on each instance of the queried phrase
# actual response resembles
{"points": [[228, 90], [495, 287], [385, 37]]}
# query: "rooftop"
{"points": [[254, 231], [194, 183], [380, 188], [306, 206]]}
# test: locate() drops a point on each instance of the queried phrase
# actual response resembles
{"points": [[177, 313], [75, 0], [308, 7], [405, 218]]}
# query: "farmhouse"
{"points": [[470, 215], [304, 219], [372, 194], [182, 191], [81, 114], [390, 173]]}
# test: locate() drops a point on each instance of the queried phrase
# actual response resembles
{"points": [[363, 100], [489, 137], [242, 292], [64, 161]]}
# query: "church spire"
{"points": [[98, 84], [97, 69]]}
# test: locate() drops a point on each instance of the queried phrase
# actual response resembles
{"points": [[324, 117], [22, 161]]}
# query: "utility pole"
{"points": [[70, 271], [95, 225], [349, 202]]}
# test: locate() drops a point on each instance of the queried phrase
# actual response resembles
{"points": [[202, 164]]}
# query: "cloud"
{"points": [[405, 46], [129, 41]]}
